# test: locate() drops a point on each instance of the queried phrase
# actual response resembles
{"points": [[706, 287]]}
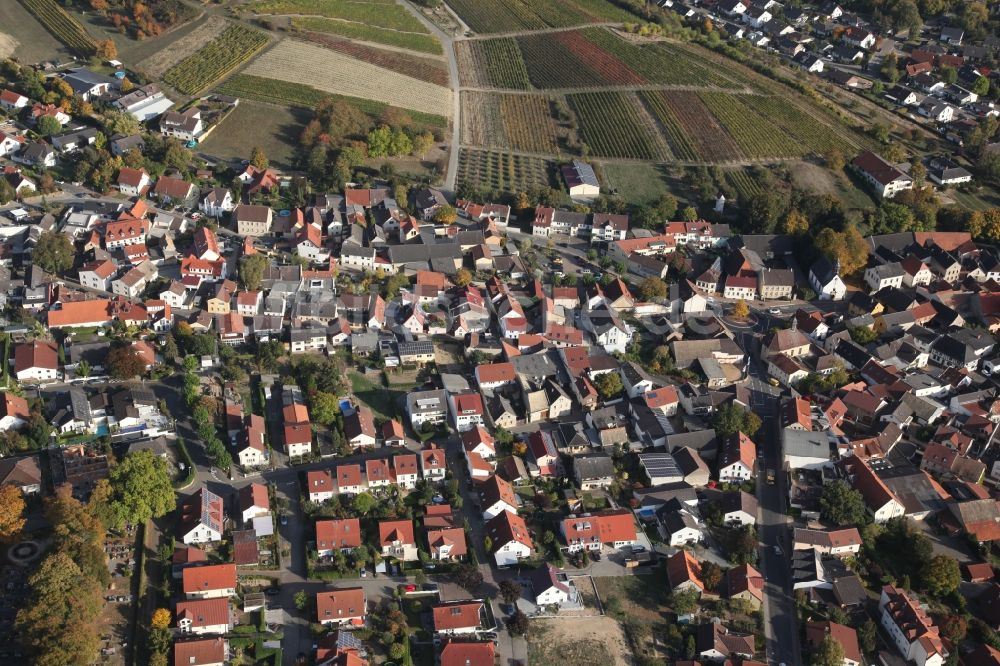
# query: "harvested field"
{"points": [[614, 124], [584, 641], [369, 33], [158, 63], [382, 13], [284, 93], [304, 63], [508, 122], [34, 42], [491, 63], [426, 69]]}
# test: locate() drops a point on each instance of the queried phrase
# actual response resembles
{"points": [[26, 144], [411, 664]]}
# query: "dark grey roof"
{"points": [[593, 466]]}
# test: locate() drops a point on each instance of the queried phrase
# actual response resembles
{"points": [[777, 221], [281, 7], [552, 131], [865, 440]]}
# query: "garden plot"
{"points": [[300, 62]]}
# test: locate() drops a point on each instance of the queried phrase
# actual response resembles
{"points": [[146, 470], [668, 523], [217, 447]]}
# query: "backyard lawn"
{"points": [[382, 401]]}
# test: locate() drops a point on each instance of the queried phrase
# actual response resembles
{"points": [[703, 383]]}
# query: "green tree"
{"points": [[652, 289], [469, 577], [397, 651], [364, 503], [890, 68], [7, 193], [841, 504], [140, 489], [251, 271], [325, 408], [609, 384], [510, 591], [400, 144], [82, 369], [949, 74], [867, 634], [125, 363], [982, 86], [48, 125], [380, 141], [119, 122], [689, 214], [683, 602], [863, 335], [731, 418], [53, 252], [301, 600], [848, 247], [711, 575], [828, 653], [940, 575]]}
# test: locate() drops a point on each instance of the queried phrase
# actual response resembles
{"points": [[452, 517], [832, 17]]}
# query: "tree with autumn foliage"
{"points": [[105, 49], [58, 625], [11, 513], [161, 618]]}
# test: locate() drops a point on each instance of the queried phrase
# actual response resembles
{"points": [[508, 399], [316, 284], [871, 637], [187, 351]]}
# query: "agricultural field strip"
{"points": [[58, 22], [301, 62], [494, 63], [508, 122], [521, 15], [155, 65], [614, 124], [283, 93], [387, 15], [409, 41], [432, 70], [237, 44], [591, 57], [503, 171]]}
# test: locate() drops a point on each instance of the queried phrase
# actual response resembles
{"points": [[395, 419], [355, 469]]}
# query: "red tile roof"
{"points": [[449, 536], [35, 354], [390, 531], [209, 578], [681, 568], [816, 631], [507, 527], [199, 652], [456, 615], [468, 654], [610, 526], [204, 612], [336, 534], [340, 604]]}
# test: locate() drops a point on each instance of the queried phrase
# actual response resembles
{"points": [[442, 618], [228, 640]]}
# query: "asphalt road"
{"points": [[780, 625]]}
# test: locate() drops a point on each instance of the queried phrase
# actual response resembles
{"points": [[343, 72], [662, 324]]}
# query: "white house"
{"points": [[203, 616], [510, 539], [496, 496], [97, 274], [551, 587], [911, 629], [886, 179], [202, 518], [824, 278], [216, 202]]}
